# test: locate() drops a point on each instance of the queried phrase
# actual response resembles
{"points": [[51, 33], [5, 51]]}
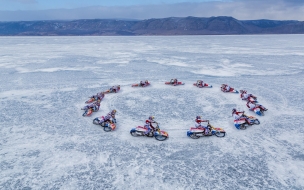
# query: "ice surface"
{"points": [[45, 143]]}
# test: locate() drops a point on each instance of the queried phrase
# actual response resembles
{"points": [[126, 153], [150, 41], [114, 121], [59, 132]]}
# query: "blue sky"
{"points": [[14, 10]]}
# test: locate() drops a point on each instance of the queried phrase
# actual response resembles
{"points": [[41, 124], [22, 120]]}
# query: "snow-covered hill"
{"points": [[45, 143]]}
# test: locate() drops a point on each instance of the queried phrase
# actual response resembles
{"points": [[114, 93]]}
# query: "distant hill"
{"points": [[164, 26]]}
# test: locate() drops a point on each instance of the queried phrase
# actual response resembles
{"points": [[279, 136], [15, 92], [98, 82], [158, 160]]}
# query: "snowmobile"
{"points": [[113, 89], [242, 123], [196, 133], [174, 82], [258, 108], [89, 109], [199, 84], [230, 90], [141, 85], [93, 99], [107, 126], [142, 131], [250, 98]]}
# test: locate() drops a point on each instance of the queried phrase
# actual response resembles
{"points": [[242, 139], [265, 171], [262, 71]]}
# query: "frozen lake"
{"points": [[45, 143]]}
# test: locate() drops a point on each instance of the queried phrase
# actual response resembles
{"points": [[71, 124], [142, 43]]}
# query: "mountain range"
{"points": [[221, 25]]}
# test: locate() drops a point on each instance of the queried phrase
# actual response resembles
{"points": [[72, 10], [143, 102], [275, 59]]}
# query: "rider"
{"points": [[151, 120], [252, 105], [148, 126], [94, 106], [112, 89], [141, 83], [245, 96], [99, 96], [198, 124], [174, 81], [237, 115], [146, 82], [112, 114], [115, 88], [200, 83], [106, 119], [225, 88]]}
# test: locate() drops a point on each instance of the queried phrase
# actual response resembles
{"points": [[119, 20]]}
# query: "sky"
{"points": [[18, 10]]}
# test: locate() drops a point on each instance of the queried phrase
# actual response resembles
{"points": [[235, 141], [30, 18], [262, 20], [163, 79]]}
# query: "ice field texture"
{"points": [[46, 143]]}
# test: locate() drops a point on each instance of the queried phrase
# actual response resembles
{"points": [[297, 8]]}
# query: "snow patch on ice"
{"points": [[229, 70], [55, 69]]}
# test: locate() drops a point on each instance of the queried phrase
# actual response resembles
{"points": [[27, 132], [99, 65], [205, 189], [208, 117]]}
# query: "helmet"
{"points": [[198, 117], [233, 110], [151, 117], [114, 111]]}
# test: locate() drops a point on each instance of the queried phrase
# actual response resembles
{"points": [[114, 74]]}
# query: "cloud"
{"points": [[239, 9]]}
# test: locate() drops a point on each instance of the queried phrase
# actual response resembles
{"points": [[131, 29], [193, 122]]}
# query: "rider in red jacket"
{"points": [[225, 88], [198, 124]]}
